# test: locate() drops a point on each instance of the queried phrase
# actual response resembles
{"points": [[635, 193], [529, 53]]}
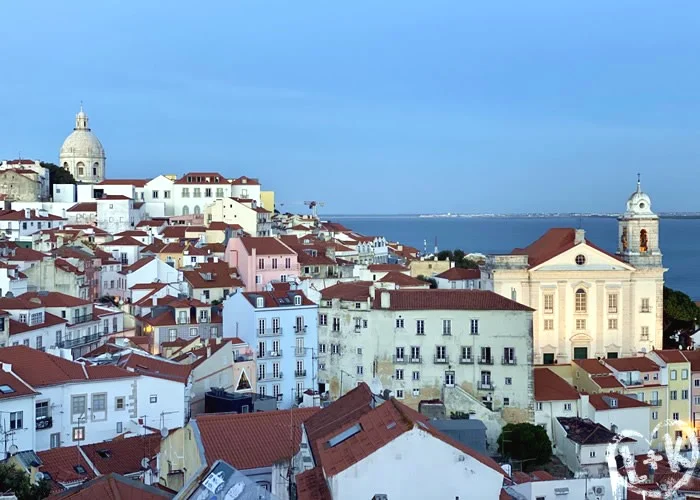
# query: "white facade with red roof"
{"points": [[17, 404], [246, 212], [20, 225], [589, 302]]}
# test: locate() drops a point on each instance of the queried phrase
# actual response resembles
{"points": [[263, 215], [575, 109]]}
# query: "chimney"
{"points": [[385, 299], [154, 301], [580, 236], [27, 213]]}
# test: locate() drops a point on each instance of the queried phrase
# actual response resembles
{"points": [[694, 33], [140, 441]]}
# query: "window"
{"points": [[155, 195], [416, 393], [335, 348], [336, 324], [415, 354], [548, 303], [447, 327], [449, 378], [42, 409], [207, 192], [297, 300], [39, 343], [440, 353], [399, 354], [166, 195], [580, 260], [466, 353], [360, 369], [359, 351], [153, 398], [193, 332], [509, 355], [398, 375], [654, 415], [119, 403], [274, 263], [99, 402], [322, 348], [323, 319], [580, 300], [549, 324], [696, 382], [645, 306], [399, 393], [673, 395], [506, 401], [420, 327], [486, 356], [612, 303], [580, 324], [399, 323], [645, 333], [78, 407], [612, 324], [539, 406], [684, 374], [509, 381], [592, 454], [16, 420], [258, 279], [676, 416], [674, 375], [261, 263], [56, 440], [567, 406], [78, 433], [415, 376], [120, 428], [474, 326], [684, 394]]}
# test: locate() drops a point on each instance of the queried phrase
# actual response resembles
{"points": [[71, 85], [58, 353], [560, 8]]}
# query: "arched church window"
{"points": [[581, 300], [185, 210], [623, 239], [643, 241], [197, 210]]}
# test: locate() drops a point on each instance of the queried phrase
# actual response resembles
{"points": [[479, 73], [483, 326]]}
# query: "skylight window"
{"points": [[6, 389], [79, 469], [345, 435]]}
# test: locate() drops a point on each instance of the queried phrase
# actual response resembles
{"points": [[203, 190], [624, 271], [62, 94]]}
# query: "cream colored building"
{"points": [[82, 153], [429, 344], [255, 220], [267, 200], [588, 302], [429, 267]]}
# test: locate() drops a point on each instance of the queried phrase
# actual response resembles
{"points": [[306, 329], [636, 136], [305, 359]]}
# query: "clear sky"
{"points": [[391, 106]]}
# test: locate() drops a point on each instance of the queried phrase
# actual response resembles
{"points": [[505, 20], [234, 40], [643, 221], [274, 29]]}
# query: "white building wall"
{"points": [[22, 437], [551, 410], [417, 466]]}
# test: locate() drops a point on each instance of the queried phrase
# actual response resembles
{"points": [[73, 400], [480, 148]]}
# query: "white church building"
{"points": [[588, 302], [82, 153]]}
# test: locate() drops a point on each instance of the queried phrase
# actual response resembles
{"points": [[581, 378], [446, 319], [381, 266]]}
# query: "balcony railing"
{"points": [[301, 351], [484, 360], [655, 402], [441, 360], [270, 376], [300, 373], [466, 361], [44, 423], [300, 330], [85, 339], [509, 361], [416, 360], [402, 359], [269, 332], [485, 386], [270, 354], [84, 318]]}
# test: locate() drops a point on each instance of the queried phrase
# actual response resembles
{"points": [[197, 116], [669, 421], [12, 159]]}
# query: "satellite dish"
{"points": [[164, 432], [13, 449], [145, 462], [39, 476]]}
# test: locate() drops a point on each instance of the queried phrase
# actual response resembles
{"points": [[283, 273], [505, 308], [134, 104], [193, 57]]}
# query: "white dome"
{"points": [[639, 203], [84, 144]]}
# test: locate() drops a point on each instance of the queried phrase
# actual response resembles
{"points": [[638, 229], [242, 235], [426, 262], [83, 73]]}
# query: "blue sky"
{"points": [[373, 107]]}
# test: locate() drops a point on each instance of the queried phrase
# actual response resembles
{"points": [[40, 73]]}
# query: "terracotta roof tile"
{"points": [[21, 215], [355, 291], [115, 487], [213, 275], [607, 382], [252, 440], [311, 485], [671, 355], [132, 232], [18, 386], [49, 320], [88, 206], [402, 279], [55, 299], [638, 363], [265, 246], [470, 300], [122, 456], [598, 401], [551, 387], [694, 358], [460, 273], [243, 180], [155, 367], [137, 265], [584, 431], [61, 464], [592, 366], [124, 182], [277, 298], [126, 241], [200, 178], [386, 268]]}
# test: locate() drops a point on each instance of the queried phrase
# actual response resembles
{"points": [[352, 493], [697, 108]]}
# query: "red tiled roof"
{"points": [[386, 267], [113, 197], [311, 485], [592, 366], [60, 463], [694, 358], [124, 182], [156, 368], [55, 299], [54, 370], [151, 223], [107, 372], [21, 215], [470, 300], [15, 303], [213, 275], [88, 206], [460, 273], [154, 247], [18, 386], [243, 180], [21, 161], [265, 245], [402, 279], [132, 232], [599, 403], [252, 440], [115, 487], [148, 286], [638, 363], [18, 254], [671, 355], [122, 456], [137, 265], [49, 320], [607, 382], [191, 178], [551, 387], [277, 298], [356, 291], [126, 241]]}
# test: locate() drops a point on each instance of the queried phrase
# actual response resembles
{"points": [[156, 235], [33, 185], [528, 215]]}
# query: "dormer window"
{"points": [[259, 302], [297, 300]]}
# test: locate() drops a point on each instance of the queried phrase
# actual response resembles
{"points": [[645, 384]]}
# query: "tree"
{"points": [[444, 255], [680, 315], [526, 442], [17, 481], [433, 283], [57, 175]]}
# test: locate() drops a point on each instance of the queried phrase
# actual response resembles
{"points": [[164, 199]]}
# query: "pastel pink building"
{"points": [[261, 260]]}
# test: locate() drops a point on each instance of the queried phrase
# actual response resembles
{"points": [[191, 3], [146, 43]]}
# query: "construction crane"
{"points": [[313, 207]]}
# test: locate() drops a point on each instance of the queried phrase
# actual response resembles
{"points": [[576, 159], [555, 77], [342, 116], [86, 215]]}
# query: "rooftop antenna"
{"points": [[639, 182]]}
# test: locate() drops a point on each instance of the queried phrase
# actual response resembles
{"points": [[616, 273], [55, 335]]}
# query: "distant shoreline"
{"points": [[680, 215]]}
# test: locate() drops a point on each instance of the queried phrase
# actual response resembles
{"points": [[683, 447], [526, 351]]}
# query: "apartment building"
{"points": [[260, 261], [417, 343]]}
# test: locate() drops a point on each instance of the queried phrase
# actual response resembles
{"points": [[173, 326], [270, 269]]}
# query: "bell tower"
{"points": [[638, 231]]}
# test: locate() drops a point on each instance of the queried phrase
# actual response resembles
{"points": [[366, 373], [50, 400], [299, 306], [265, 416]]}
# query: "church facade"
{"points": [[82, 153], [588, 302]]}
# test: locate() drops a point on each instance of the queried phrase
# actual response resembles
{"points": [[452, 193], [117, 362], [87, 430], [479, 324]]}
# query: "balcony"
{"points": [[509, 361], [270, 377], [655, 402], [44, 423], [466, 361], [416, 360], [300, 373], [81, 319], [85, 339], [486, 360], [399, 360], [300, 330], [441, 360], [270, 354], [269, 332], [485, 385], [301, 351]]}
